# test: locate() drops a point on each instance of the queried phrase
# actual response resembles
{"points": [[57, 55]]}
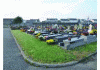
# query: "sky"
{"points": [[43, 9]]}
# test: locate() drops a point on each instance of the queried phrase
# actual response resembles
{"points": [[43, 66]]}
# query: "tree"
{"points": [[18, 20]]}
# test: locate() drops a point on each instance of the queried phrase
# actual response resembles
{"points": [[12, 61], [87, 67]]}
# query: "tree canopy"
{"points": [[18, 20]]}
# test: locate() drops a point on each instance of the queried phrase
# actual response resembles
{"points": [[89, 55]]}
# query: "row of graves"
{"points": [[64, 36]]}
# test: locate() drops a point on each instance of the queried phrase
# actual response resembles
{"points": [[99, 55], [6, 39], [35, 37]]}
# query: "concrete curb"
{"points": [[49, 65]]}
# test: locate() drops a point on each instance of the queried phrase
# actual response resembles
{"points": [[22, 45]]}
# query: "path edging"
{"points": [[49, 65]]}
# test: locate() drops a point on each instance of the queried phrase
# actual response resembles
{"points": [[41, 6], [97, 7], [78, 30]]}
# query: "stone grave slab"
{"points": [[75, 42]]}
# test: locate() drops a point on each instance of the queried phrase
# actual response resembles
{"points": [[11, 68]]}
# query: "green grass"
{"points": [[42, 52]]}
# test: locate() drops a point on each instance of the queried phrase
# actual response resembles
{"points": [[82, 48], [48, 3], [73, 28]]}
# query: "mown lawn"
{"points": [[42, 52]]}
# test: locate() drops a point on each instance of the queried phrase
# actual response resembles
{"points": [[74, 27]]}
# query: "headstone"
{"points": [[61, 44], [75, 26], [80, 26], [90, 38], [90, 28]]}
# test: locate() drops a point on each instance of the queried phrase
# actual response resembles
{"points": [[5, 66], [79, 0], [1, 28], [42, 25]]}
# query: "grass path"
{"points": [[42, 52]]}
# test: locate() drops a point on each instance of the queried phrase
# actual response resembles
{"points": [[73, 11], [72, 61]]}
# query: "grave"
{"points": [[90, 38], [60, 38], [61, 44], [45, 34], [74, 42], [51, 37]]}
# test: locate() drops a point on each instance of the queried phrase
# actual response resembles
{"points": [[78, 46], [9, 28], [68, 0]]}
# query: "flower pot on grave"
{"points": [[69, 39], [74, 33], [92, 34], [85, 33]]}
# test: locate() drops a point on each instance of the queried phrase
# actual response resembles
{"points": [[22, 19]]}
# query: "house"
{"points": [[7, 21], [52, 20], [32, 22], [64, 20], [94, 20], [69, 20]]}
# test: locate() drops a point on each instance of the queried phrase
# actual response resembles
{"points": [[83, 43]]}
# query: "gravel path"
{"points": [[12, 59]]}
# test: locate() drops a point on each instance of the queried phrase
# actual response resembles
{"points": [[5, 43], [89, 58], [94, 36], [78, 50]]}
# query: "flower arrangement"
{"points": [[74, 32], [23, 29], [69, 38], [41, 37], [50, 41], [93, 31], [30, 31], [85, 33], [38, 34], [45, 37]]}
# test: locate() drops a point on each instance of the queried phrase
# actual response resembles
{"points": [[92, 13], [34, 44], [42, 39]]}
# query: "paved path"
{"points": [[12, 59]]}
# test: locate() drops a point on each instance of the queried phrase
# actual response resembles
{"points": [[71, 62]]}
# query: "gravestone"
{"points": [[51, 37], [90, 38], [75, 42], [60, 38], [61, 44], [90, 28]]}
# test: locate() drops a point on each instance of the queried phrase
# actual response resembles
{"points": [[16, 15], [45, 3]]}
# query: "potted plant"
{"points": [[85, 33], [69, 38], [50, 41], [74, 32], [38, 35]]}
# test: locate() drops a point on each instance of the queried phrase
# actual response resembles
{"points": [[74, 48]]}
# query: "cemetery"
{"points": [[60, 36], [57, 37]]}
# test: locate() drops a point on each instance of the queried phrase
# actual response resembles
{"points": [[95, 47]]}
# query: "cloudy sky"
{"points": [[42, 9]]}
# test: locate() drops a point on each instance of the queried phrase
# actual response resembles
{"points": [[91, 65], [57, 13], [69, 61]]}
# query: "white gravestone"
{"points": [[90, 28], [80, 26], [75, 26]]}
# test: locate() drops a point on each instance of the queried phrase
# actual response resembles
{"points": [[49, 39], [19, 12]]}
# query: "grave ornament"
{"points": [[90, 28]]}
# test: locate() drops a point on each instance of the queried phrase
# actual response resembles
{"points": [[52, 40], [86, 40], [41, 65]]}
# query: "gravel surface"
{"points": [[12, 59]]}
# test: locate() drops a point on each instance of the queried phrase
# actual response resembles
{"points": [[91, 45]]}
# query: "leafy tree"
{"points": [[18, 20]]}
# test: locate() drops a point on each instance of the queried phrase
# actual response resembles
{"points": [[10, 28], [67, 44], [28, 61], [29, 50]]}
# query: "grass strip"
{"points": [[42, 52]]}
